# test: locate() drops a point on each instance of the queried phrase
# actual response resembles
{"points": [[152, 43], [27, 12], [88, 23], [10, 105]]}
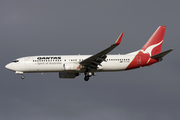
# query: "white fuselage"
{"points": [[56, 63], [69, 66]]}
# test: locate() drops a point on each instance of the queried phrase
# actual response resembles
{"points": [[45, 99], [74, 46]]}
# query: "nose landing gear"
{"points": [[20, 73], [22, 77]]}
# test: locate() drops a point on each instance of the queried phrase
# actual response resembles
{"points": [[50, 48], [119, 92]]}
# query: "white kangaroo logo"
{"points": [[150, 48]]}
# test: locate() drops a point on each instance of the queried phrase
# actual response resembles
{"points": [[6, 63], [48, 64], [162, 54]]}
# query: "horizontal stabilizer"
{"points": [[161, 55]]}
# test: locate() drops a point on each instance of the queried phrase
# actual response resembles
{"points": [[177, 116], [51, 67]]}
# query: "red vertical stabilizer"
{"points": [[154, 44], [151, 48]]}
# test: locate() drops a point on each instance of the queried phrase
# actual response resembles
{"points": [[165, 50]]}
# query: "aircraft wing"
{"points": [[95, 60]]}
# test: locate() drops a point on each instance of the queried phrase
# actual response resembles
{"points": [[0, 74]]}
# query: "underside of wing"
{"points": [[93, 61]]}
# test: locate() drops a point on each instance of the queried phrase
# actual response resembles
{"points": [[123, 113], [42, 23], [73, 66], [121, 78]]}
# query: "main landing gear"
{"points": [[87, 75], [86, 78]]}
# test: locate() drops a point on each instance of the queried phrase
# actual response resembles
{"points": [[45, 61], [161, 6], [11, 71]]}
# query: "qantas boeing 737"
{"points": [[70, 66]]}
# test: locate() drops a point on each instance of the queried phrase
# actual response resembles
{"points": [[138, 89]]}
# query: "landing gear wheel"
{"points": [[86, 78], [22, 77]]}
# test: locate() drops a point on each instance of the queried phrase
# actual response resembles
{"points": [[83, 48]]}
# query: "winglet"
{"points": [[118, 41]]}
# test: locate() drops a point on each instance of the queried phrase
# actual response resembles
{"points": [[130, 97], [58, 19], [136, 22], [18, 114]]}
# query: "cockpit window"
{"points": [[15, 60]]}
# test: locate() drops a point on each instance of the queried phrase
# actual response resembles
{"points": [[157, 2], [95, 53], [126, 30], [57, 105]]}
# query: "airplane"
{"points": [[70, 66]]}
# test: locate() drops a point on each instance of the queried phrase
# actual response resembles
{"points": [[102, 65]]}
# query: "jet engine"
{"points": [[72, 66], [67, 75]]}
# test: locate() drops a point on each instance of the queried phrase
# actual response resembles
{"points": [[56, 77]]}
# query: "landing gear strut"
{"points": [[20, 73]]}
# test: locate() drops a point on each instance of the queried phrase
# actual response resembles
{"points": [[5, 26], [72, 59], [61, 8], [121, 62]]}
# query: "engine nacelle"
{"points": [[72, 66], [67, 75]]}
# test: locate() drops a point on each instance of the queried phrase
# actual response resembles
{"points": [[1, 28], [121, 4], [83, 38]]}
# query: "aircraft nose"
{"points": [[9, 66]]}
